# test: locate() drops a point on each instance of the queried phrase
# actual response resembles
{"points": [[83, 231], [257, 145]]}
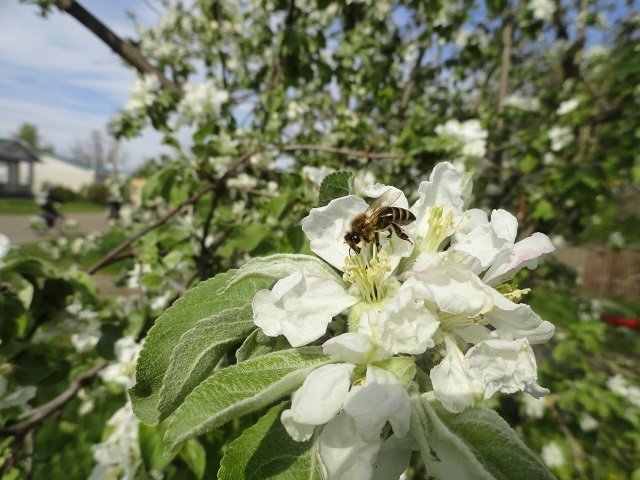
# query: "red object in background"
{"points": [[620, 321]]}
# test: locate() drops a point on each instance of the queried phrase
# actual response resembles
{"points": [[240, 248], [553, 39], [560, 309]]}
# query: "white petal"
{"points": [[342, 452], [477, 244], [354, 348], [300, 306], [406, 325], [446, 186], [452, 384], [519, 320], [380, 400], [536, 390], [525, 253], [378, 189], [502, 365], [393, 458], [318, 400], [452, 290], [300, 432], [326, 226]]}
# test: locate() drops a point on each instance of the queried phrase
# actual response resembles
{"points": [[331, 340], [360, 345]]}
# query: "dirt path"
{"points": [[16, 226]]}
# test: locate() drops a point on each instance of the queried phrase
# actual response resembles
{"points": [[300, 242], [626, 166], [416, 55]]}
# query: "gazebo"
{"points": [[16, 168]]}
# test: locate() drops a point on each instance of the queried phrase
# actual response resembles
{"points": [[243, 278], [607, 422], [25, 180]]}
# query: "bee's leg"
{"points": [[376, 237], [400, 233]]}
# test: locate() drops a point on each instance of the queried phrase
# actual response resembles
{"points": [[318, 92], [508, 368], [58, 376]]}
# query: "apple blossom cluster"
{"points": [[441, 302], [119, 456], [470, 136]]}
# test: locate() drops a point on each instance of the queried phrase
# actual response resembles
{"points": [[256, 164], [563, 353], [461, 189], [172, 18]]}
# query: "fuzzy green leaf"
{"points": [[335, 185], [265, 450], [170, 366], [475, 444], [241, 389], [198, 352], [258, 344]]}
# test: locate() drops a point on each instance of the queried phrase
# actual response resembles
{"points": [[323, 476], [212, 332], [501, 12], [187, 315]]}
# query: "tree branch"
{"points": [[340, 151], [408, 89], [39, 414], [507, 32], [126, 51], [113, 254]]}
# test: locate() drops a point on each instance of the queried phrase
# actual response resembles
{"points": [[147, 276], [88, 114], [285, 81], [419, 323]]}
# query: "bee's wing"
{"points": [[385, 200]]}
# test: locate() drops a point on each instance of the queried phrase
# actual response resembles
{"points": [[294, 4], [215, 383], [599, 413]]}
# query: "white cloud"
{"points": [[61, 77]]}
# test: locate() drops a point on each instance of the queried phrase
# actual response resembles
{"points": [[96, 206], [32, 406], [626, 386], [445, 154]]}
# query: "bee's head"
{"points": [[353, 239]]}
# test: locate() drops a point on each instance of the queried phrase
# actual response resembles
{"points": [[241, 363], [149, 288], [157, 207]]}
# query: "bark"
{"points": [[126, 51]]}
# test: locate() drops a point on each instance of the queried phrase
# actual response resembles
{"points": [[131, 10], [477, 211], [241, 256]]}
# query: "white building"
{"points": [[23, 173], [66, 172]]}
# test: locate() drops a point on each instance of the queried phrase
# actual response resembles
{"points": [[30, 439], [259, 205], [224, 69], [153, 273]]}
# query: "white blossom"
{"points": [[621, 386], [85, 341], [616, 239], [568, 106], [542, 9], [560, 137], [144, 92], [119, 456], [534, 407], [470, 134], [552, 455], [446, 292], [520, 102], [588, 423], [122, 370], [201, 101]]}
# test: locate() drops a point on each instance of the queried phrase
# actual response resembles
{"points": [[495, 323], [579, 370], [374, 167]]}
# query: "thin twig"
{"points": [[507, 29], [41, 413], [413, 76], [108, 258], [341, 151]]}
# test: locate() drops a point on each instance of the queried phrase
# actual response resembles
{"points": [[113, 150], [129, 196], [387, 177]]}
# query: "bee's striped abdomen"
{"points": [[397, 215]]}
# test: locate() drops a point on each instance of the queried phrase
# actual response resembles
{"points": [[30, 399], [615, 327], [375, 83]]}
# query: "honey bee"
{"points": [[379, 216]]}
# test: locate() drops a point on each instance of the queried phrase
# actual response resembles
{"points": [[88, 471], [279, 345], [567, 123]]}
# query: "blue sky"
{"points": [[56, 74]]}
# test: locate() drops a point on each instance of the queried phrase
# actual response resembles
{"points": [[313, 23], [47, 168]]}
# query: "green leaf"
{"points": [[265, 450], [543, 210], [248, 237], [195, 456], [198, 352], [241, 389], [475, 444], [258, 344], [166, 355], [528, 163], [152, 449], [159, 184], [335, 185]]}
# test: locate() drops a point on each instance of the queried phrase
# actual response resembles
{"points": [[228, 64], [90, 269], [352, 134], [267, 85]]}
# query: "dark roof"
{"points": [[16, 150]]}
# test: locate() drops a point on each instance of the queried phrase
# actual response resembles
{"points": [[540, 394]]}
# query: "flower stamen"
{"points": [[368, 274]]}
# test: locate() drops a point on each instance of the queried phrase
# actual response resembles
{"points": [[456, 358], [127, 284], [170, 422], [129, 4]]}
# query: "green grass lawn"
{"points": [[26, 206]]}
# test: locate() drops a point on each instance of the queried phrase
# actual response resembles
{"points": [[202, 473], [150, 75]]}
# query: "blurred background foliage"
{"points": [[540, 100]]}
